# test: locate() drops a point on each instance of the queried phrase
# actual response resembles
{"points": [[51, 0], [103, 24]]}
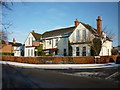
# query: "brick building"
{"points": [[11, 48]]}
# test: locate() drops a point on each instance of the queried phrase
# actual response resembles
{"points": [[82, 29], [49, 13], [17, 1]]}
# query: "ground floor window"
{"points": [[70, 51], [84, 51], [31, 52], [65, 52], [108, 52], [49, 52], [28, 52], [56, 52], [77, 51]]}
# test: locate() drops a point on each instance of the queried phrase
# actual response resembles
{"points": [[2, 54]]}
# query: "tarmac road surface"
{"points": [[18, 77]]}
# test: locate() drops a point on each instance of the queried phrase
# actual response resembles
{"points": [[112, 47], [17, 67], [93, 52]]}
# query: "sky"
{"points": [[46, 16]]}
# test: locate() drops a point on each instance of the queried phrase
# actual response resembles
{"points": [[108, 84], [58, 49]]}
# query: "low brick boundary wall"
{"points": [[59, 60]]}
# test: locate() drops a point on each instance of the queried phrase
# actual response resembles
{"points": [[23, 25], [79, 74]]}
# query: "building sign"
{"points": [[36, 43]]}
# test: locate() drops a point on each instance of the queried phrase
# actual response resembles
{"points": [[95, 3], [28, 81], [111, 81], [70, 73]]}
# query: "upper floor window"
{"points": [[28, 41], [50, 42], [56, 41], [73, 37], [31, 38], [84, 34], [78, 35]]}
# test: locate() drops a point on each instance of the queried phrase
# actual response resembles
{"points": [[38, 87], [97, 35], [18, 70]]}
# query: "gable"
{"points": [[78, 33], [91, 29], [29, 35]]}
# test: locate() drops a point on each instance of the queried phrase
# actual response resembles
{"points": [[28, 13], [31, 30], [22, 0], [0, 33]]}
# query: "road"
{"points": [[19, 77]]}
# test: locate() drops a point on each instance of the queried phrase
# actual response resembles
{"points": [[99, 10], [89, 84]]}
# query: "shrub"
{"points": [[118, 60]]}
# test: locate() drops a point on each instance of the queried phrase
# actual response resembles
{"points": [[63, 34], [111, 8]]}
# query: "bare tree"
{"points": [[5, 4], [109, 34], [4, 26], [95, 42]]}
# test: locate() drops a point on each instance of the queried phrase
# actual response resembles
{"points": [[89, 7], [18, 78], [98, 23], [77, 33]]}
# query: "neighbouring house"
{"points": [[32, 44], [116, 50], [11, 48], [76, 40]]}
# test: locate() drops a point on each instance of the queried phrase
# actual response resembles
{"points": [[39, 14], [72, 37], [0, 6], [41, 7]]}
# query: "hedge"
{"points": [[59, 60]]}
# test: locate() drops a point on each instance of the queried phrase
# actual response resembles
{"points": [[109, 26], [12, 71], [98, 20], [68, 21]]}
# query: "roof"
{"points": [[6, 48], [62, 31], [36, 35], [15, 44], [93, 30], [68, 30]]}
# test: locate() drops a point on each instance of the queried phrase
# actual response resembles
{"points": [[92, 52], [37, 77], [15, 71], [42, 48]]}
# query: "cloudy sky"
{"points": [[45, 16]]}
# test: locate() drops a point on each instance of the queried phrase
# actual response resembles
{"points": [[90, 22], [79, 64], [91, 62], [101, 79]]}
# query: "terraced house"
{"points": [[75, 40]]}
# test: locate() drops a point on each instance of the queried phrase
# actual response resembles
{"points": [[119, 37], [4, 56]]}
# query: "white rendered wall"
{"points": [[17, 51], [106, 48], [62, 44], [30, 53]]}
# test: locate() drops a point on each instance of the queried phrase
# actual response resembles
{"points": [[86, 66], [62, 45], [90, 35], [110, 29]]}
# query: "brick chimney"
{"points": [[76, 22], [14, 41], [99, 25], [6, 42]]}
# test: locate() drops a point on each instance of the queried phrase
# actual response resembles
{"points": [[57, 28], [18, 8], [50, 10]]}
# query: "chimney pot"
{"points": [[99, 17], [33, 31]]}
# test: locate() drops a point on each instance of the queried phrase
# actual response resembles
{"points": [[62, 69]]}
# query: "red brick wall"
{"points": [[58, 60]]}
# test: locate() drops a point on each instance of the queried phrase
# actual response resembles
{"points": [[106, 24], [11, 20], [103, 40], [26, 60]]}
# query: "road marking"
{"points": [[113, 75]]}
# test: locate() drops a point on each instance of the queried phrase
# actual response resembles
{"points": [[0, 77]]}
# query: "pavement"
{"points": [[61, 66]]}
